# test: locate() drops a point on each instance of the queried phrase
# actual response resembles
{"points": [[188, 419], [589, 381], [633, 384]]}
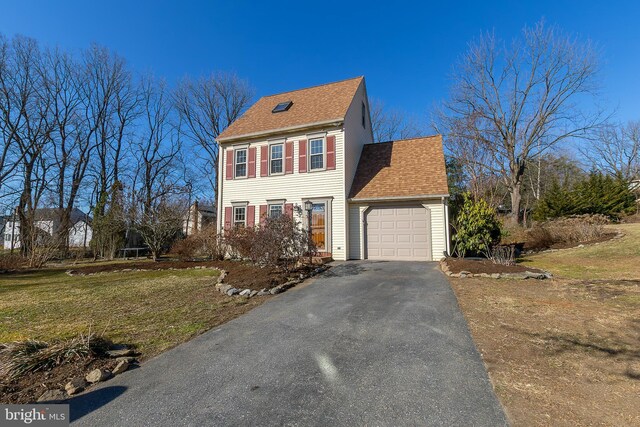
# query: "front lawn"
{"points": [[153, 310], [564, 351]]}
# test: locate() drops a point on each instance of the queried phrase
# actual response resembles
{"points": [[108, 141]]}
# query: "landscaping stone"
{"points": [[246, 292], [98, 375], [263, 293], [276, 290], [225, 288], [465, 274], [127, 359], [253, 294], [52, 396], [121, 352], [75, 386], [121, 367], [233, 291], [532, 275], [496, 276]]}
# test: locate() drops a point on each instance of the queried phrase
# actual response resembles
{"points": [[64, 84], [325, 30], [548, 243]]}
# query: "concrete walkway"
{"points": [[366, 343]]}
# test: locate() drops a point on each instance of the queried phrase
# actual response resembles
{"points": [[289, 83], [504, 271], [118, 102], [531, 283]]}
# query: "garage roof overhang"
{"points": [[399, 198]]}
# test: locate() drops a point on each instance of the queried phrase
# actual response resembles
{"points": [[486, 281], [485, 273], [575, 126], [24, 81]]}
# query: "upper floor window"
{"points": [[241, 163], [276, 154], [275, 210], [239, 216], [316, 154], [364, 116]]}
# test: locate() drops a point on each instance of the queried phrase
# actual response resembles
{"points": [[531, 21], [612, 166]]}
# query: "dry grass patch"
{"points": [[558, 352]]}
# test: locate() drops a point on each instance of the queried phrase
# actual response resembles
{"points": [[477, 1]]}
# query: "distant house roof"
{"points": [[295, 109], [52, 214], [404, 168]]}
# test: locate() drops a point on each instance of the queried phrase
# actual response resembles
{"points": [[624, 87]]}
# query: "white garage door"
{"points": [[398, 233]]}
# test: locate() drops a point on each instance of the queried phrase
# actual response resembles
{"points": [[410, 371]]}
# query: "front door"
{"points": [[319, 226]]}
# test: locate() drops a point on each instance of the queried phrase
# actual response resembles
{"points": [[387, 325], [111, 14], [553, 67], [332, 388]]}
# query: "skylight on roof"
{"points": [[283, 106]]}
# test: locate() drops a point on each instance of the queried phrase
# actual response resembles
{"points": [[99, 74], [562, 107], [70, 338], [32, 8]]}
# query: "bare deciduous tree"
{"points": [[388, 125], [158, 217], [616, 150], [206, 107], [516, 101]]}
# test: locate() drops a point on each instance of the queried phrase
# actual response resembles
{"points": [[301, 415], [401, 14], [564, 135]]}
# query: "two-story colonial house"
{"points": [[382, 201]]}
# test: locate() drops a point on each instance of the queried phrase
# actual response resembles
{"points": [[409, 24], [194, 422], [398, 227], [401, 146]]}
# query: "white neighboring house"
{"points": [[80, 232], [384, 201], [198, 217]]}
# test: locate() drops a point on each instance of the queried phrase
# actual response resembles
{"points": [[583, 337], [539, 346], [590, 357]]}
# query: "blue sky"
{"points": [[406, 50]]}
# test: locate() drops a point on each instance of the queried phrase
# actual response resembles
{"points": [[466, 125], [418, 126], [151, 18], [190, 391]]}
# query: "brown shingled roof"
{"points": [[311, 105], [404, 168]]}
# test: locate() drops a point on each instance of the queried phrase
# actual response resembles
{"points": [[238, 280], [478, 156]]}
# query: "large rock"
{"points": [[121, 367], [233, 291], [246, 292], [52, 396], [75, 386], [263, 293], [225, 288], [98, 375], [253, 294]]}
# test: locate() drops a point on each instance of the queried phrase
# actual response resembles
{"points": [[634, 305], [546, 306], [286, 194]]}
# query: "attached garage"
{"points": [[398, 233], [398, 202]]}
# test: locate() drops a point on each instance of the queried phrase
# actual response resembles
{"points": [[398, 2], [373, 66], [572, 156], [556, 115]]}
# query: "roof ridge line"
{"points": [[311, 87]]}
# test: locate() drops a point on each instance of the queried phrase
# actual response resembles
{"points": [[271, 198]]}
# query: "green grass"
{"points": [[615, 259], [153, 310]]}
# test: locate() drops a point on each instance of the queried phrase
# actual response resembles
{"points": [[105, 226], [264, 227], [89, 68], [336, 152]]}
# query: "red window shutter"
{"points": [[302, 156], [229, 153], [263, 213], [288, 209], [331, 152], [252, 162], [264, 160], [288, 157], [227, 217], [251, 216]]}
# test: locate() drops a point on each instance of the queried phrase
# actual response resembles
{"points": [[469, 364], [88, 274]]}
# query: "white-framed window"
{"points": [[240, 163], [275, 210], [239, 216], [276, 155], [316, 154]]}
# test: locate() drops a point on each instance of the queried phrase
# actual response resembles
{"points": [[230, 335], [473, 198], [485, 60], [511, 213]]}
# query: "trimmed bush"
{"points": [[476, 227]]}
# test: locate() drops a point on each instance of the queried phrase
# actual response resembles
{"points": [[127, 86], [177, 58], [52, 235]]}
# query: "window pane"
{"points": [[316, 161], [276, 151], [275, 211], [276, 166], [241, 156], [241, 169], [316, 146], [239, 214]]}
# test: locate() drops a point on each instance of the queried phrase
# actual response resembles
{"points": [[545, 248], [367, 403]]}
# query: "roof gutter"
{"points": [[399, 198], [334, 122]]}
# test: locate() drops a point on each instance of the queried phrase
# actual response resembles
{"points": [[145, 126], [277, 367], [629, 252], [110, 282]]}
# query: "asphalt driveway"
{"points": [[366, 343]]}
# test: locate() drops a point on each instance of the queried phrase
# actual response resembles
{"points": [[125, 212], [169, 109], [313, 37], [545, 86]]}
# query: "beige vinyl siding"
{"points": [[293, 188], [438, 227]]}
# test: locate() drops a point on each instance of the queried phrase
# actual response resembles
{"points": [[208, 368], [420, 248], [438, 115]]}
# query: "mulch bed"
{"points": [[479, 266], [29, 388]]}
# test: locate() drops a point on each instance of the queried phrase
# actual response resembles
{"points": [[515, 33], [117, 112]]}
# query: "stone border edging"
{"points": [[229, 290], [524, 275]]}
